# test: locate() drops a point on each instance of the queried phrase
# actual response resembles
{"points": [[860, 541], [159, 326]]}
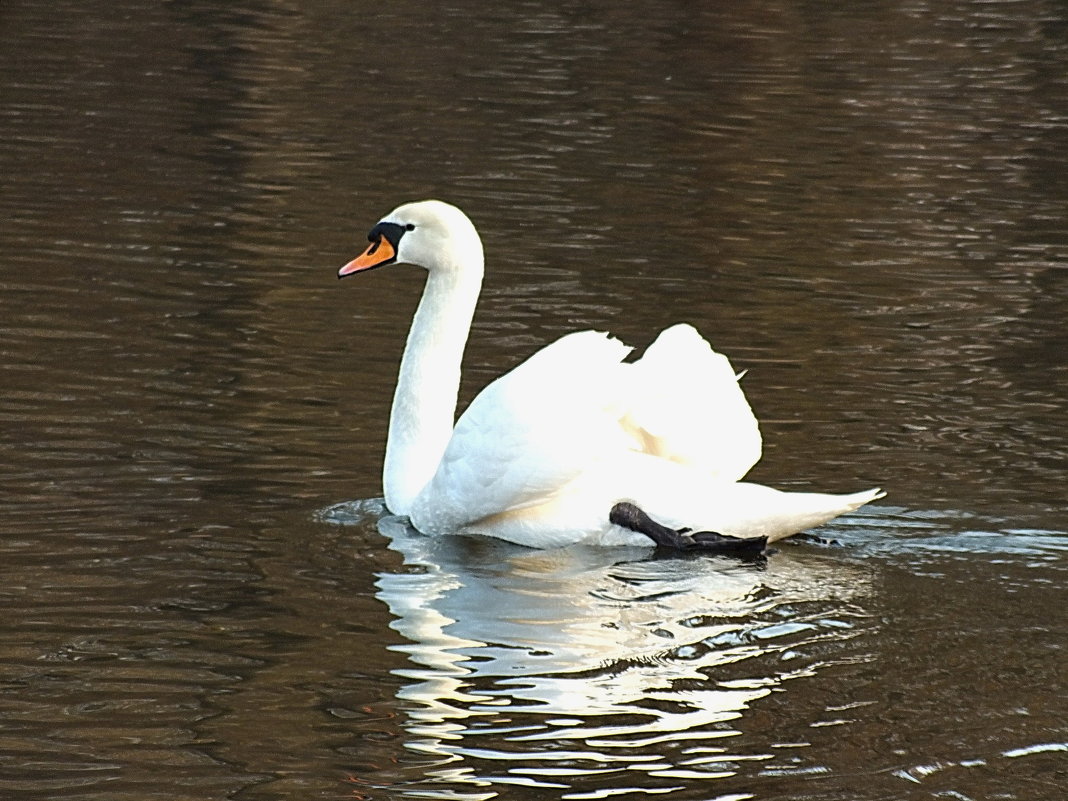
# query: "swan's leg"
{"points": [[631, 517]]}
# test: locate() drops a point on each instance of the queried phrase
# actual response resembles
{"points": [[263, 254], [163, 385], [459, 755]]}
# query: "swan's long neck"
{"points": [[424, 404]]}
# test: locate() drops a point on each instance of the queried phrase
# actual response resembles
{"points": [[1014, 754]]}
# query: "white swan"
{"points": [[544, 453]]}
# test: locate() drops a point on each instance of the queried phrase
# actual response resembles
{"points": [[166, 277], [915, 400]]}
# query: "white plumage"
{"points": [[543, 453]]}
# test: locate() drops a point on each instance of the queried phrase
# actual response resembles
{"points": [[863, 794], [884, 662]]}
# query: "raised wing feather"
{"points": [[687, 406]]}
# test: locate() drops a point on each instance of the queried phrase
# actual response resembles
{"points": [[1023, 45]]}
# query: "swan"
{"points": [[575, 444]]}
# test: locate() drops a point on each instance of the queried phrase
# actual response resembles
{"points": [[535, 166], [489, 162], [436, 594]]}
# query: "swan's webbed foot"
{"points": [[631, 517]]}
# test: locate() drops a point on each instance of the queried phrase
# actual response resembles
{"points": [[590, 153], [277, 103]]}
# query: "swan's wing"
{"points": [[686, 405], [575, 410], [530, 433]]}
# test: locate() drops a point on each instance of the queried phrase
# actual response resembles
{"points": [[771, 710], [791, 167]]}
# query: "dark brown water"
{"points": [[864, 206]]}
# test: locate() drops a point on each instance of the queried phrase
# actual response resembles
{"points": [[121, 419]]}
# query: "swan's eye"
{"points": [[409, 227]]}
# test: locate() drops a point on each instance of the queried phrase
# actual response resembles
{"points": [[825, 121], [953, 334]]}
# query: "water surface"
{"points": [[862, 206]]}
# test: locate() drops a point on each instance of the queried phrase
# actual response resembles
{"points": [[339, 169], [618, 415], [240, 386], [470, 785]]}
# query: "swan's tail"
{"points": [[805, 510], [858, 499], [742, 509]]}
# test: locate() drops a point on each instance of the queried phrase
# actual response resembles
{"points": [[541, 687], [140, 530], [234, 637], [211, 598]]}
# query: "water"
{"points": [[863, 206]]}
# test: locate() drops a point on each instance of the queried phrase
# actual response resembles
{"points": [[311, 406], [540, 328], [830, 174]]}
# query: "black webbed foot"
{"points": [[631, 517]]}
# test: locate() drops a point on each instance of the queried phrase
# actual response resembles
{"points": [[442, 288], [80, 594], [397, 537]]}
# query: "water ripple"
{"points": [[603, 663]]}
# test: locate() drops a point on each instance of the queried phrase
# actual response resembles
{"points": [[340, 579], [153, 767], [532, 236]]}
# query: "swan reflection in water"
{"points": [[599, 669]]}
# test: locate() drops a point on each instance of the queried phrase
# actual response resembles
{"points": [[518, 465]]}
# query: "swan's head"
{"points": [[430, 234]]}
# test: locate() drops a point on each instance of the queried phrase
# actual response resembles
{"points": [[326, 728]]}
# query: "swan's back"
{"points": [[574, 409]]}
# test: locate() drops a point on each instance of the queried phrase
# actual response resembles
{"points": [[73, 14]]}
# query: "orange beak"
{"points": [[378, 253]]}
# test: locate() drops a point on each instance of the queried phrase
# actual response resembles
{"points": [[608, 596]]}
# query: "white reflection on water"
{"points": [[598, 670]]}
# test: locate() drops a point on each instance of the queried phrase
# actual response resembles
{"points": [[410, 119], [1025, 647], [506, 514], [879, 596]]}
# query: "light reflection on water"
{"points": [[594, 672], [545, 668]]}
